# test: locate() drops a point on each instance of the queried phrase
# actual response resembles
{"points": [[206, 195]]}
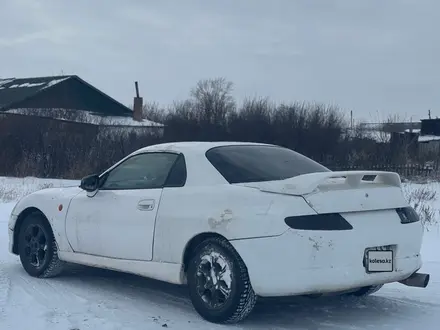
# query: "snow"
{"points": [[90, 118], [54, 82], [86, 298], [120, 121], [381, 137], [413, 130], [26, 85], [12, 189], [4, 82], [428, 138]]}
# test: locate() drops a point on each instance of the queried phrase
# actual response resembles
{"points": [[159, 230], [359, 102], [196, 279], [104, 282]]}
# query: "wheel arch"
{"points": [[192, 244], [23, 215], [244, 300]]}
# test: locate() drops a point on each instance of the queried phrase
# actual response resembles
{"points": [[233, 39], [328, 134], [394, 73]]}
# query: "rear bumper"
{"points": [[326, 280], [297, 263]]}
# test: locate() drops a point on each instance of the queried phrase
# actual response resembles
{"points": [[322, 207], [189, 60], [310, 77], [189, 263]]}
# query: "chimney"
{"points": [[138, 104]]}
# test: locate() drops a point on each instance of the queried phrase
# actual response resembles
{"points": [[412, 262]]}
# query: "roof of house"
{"points": [[427, 138], [426, 120], [390, 127], [89, 118], [15, 91]]}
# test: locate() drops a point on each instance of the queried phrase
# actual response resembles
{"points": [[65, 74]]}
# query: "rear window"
{"points": [[254, 163]]}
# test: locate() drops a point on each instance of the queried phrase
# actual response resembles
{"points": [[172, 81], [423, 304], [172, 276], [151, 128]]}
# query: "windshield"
{"points": [[256, 163]]}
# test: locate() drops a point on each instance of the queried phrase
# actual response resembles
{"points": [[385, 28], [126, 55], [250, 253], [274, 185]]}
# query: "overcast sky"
{"points": [[374, 57]]}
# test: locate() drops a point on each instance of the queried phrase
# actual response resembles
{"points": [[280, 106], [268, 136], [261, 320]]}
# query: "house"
{"points": [[68, 98], [392, 132], [429, 138]]}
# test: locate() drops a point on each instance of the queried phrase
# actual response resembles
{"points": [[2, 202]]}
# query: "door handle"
{"points": [[146, 205]]}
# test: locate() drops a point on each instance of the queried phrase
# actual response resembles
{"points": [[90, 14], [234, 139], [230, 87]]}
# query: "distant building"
{"points": [[429, 138], [392, 132], [68, 98]]}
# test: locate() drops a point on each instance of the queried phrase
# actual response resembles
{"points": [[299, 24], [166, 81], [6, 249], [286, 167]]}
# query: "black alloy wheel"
{"points": [[37, 247], [219, 283]]}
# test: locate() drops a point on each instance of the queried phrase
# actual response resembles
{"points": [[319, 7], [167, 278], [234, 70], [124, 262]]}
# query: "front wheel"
{"points": [[219, 283], [37, 247]]}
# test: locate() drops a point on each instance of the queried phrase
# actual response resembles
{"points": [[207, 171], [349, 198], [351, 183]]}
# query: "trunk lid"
{"points": [[341, 191]]}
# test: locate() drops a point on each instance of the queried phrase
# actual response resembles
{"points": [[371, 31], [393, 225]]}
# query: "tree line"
{"points": [[49, 148], [316, 130]]}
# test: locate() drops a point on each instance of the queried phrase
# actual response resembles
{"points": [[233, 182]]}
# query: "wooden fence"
{"points": [[46, 147]]}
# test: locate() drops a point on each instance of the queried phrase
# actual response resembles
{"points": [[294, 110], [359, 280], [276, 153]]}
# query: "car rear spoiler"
{"points": [[308, 183]]}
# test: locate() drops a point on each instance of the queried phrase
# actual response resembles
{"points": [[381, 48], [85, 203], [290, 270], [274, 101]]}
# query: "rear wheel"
{"points": [[219, 284], [37, 247]]}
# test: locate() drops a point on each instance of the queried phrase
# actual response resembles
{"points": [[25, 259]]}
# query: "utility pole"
{"points": [[351, 119], [138, 104]]}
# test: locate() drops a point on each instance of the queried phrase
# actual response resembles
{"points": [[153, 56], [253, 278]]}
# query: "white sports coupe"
{"points": [[231, 220]]}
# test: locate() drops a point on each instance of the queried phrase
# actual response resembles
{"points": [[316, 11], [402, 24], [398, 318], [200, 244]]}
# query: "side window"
{"points": [[177, 176], [142, 171]]}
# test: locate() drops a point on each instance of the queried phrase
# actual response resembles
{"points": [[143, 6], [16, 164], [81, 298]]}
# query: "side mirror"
{"points": [[90, 183]]}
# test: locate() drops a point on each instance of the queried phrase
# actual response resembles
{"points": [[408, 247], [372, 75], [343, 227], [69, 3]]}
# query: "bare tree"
{"points": [[252, 121], [213, 100], [154, 112]]}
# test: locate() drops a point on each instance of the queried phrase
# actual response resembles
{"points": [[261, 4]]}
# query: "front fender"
{"points": [[54, 204]]}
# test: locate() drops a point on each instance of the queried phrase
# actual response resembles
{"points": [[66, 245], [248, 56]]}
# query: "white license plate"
{"points": [[380, 261]]}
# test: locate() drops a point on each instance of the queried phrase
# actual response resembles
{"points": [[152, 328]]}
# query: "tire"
{"points": [[366, 291], [234, 280], [37, 247]]}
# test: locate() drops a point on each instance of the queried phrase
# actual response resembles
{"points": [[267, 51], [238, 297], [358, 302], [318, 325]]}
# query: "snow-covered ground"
{"points": [[85, 298]]}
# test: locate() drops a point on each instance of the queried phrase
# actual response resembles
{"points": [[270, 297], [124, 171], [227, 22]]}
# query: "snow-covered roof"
{"points": [[121, 121], [42, 82], [380, 137], [70, 92], [414, 130], [86, 117], [428, 138], [13, 90]]}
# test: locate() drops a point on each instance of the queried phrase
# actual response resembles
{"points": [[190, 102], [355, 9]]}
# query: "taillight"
{"points": [[330, 221], [407, 215]]}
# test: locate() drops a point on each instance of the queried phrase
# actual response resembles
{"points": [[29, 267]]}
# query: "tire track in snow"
{"points": [[5, 289], [46, 291], [92, 300], [413, 302]]}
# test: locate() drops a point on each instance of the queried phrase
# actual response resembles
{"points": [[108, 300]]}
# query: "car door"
{"points": [[119, 220]]}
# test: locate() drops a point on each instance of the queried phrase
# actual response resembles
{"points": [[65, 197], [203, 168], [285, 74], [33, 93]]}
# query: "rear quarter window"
{"points": [[256, 163]]}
